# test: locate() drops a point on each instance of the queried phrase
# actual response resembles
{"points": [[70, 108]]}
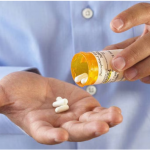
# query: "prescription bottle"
{"points": [[97, 65]]}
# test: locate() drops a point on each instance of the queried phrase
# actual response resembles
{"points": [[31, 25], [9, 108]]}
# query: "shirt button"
{"points": [[91, 89], [87, 13]]}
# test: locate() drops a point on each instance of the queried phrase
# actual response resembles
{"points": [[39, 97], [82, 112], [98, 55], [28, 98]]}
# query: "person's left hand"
{"points": [[134, 60]]}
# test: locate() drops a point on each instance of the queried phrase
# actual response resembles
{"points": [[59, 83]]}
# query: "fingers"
{"points": [[134, 59], [44, 133], [122, 45], [145, 31], [102, 109], [138, 71], [79, 131], [135, 15], [133, 54], [112, 116], [146, 80]]}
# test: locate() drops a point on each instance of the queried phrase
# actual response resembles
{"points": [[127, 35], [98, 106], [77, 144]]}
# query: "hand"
{"points": [[134, 60], [29, 99]]}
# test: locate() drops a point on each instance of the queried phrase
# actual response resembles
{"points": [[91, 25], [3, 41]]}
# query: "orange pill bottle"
{"points": [[97, 65]]}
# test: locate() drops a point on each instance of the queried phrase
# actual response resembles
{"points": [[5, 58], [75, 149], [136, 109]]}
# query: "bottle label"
{"points": [[105, 72]]}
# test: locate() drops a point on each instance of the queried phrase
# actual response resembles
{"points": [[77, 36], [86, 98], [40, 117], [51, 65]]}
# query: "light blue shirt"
{"points": [[46, 35]]}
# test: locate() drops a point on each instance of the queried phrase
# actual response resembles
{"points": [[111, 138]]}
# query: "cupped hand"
{"points": [[26, 99], [134, 59]]}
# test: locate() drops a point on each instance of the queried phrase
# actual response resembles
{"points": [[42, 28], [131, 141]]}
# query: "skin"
{"points": [[136, 51], [26, 99]]}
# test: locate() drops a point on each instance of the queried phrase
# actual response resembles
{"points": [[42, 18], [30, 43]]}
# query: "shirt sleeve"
{"points": [[7, 70]]}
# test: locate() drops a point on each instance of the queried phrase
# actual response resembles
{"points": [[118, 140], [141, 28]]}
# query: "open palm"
{"points": [[29, 105]]}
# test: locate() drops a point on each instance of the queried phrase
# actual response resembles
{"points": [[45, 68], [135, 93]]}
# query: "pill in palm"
{"points": [[61, 108], [80, 77], [60, 102], [66, 101], [58, 98]]}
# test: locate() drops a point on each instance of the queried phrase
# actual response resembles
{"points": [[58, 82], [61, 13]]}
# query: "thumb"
{"points": [[45, 133]]}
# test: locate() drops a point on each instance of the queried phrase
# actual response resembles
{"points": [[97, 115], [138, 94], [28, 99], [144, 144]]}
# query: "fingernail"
{"points": [[145, 79], [131, 73], [118, 63], [117, 23], [111, 124], [59, 141]]}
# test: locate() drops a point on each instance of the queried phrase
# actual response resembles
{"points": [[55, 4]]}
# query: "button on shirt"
{"points": [[87, 13], [91, 89], [46, 35]]}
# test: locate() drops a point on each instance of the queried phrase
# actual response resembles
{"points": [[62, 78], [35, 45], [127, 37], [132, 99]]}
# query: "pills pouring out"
{"points": [[82, 78], [61, 105]]}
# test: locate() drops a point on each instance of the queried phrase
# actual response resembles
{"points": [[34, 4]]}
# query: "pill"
{"points": [[66, 101], [80, 77], [58, 98], [61, 108], [60, 102], [83, 81]]}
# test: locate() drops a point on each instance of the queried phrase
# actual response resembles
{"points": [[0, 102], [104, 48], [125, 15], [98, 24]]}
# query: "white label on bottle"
{"points": [[105, 72]]}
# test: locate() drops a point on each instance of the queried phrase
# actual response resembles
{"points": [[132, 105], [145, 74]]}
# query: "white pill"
{"points": [[61, 108], [66, 101], [58, 98], [60, 102], [80, 77], [83, 81]]}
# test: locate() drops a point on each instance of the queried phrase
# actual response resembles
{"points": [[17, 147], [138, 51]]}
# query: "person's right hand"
{"points": [[26, 99], [134, 59]]}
